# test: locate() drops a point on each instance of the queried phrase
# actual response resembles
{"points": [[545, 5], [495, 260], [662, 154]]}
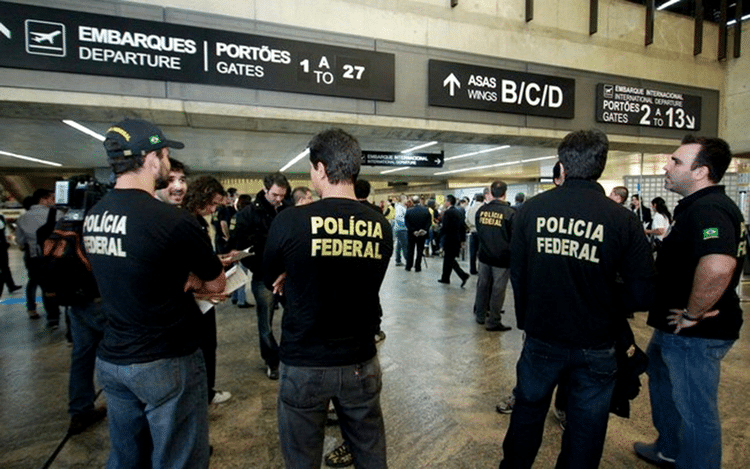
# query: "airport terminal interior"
{"points": [[443, 374], [444, 96]]}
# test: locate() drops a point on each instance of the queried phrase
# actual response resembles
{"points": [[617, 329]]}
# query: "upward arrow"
{"points": [[4, 30], [453, 82]]}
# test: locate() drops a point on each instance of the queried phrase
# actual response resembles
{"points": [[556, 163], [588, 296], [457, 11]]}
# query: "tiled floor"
{"points": [[443, 375]]}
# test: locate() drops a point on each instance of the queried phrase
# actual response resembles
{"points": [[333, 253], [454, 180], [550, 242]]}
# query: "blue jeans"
{"points": [[591, 379], [264, 305], [87, 328], [401, 244], [158, 413], [683, 385], [304, 393], [491, 285], [240, 295]]}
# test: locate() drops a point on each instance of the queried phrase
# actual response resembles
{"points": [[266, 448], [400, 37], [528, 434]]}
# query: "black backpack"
{"points": [[66, 271]]}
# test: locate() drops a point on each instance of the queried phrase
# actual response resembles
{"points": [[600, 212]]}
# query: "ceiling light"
{"points": [[744, 18], [83, 129], [668, 4], [394, 170], [486, 150], [474, 168], [419, 147], [295, 160], [539, 159], [507, 163], [29, 158]]}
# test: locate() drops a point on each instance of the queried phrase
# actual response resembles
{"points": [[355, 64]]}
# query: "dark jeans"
{"points": [[208, 346], [451, 264], [473, 249], [87, 324], [302, 409], [591, 374], [265, 302], [34, 265], [415, 243], [6, 277]]}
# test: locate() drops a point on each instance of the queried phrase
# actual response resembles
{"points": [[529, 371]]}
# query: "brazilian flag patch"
{"points": [[154, 139], [710, 233]]}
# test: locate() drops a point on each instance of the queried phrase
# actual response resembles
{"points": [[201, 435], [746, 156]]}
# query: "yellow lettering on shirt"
{"points": [[353, 237]]}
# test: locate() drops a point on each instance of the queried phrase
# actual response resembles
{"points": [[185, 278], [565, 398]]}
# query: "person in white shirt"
{"points": [[660, 221]]}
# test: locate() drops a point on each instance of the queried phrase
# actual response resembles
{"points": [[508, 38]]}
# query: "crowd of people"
{"points": [[579, 262]]}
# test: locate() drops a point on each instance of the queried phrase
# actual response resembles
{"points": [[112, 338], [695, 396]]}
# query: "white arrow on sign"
{"points": [[690, 122], [4, 30], [453, 82]]}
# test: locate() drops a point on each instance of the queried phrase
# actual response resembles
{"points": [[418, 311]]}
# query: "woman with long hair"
{"points": [[661, 220]]}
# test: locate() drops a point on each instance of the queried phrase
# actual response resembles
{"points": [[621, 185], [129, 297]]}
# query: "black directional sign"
{"points": [[395, 158], [489, 89], [71, 41], [647, 107]]}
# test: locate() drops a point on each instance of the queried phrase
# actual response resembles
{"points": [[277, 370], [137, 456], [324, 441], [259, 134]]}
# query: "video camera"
{"points": [[78, 194]]}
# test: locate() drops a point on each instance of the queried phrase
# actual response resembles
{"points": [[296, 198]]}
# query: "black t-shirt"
{"points": [[494, 222], [706, 222], [335, 252], [223, 213], [568, 246], [141, 251]]}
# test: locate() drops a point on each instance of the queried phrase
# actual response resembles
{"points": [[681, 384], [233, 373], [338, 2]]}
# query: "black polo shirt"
{"points": [[706, 222], [567, 249]]}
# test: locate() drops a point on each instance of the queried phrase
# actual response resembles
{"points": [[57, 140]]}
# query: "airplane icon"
{"points": [[45, 38], [42, 37]]}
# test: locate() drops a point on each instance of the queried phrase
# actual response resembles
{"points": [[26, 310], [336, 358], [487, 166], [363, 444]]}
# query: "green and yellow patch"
{"points": [[710, 233]]}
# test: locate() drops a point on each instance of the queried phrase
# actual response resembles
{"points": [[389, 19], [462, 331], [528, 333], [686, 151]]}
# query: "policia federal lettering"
{"points": [[109, 224], [579, 241], [334, 246]]}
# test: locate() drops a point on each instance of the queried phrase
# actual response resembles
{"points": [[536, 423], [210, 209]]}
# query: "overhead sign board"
{"points": [[395, 158], [489, 89], [647, 107], [71, 41]]}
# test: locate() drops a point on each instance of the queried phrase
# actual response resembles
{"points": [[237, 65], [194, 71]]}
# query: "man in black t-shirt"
{"points": [[696, 314], [334, 254], [148, 258], [567, 249], [494, 222]]}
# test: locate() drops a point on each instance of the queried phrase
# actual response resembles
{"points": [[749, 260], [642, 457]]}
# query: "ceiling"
{"points": [[711, 8], [240, 149]]}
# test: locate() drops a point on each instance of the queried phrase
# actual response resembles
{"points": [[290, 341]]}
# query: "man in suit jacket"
{"points": [[418, 221], [453, 232]]}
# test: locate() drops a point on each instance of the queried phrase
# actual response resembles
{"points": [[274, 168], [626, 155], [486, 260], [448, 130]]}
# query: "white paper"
{"points": [[236, 278], [242, 254], [205, 306]]}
